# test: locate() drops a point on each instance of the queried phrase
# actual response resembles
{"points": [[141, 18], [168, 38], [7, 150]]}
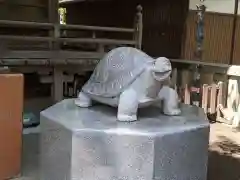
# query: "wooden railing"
{"points": [[57, 34], [48, 48], [211, 96], [49, 26], [219, 88]]}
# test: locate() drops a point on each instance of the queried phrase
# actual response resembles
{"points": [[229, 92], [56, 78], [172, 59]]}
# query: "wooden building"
{"points": [[32, 40], [36, 42], [27, 10], [13, 14], [163, 21], [219, 66], [222, 32]]}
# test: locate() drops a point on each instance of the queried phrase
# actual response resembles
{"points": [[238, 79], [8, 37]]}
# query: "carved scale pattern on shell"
{"points": [[117, 70]]}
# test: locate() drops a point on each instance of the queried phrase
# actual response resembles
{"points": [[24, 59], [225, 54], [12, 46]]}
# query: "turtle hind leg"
{"points": [[83, 100], [128, 106]]}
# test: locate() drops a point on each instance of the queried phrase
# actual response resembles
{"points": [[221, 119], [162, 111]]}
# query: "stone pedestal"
{"points": [[90, 144]]}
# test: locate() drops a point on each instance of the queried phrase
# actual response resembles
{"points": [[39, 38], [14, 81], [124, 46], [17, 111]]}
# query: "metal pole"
{"points": [[201, 8], [195, 86]]}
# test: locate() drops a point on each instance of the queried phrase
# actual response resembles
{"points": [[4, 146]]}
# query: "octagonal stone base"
{"points": [[90, 144]]}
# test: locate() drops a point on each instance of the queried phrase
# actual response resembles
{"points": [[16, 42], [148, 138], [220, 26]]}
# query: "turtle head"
{"points": [[161, 69]]}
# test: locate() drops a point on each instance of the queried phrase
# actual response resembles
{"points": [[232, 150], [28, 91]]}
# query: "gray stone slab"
{"points": [[90, 144]]}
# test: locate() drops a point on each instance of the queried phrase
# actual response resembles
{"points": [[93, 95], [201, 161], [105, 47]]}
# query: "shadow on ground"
{"points": [[224, 160]]}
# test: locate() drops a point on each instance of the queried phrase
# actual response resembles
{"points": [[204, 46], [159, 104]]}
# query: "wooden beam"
{"points": [[69, 40], [31, 69], [8, 23], [19, 62], [26, 38], [230, 70], [97, 41], [184, 61], [47, 79], [51, 54], [70, 1], [44, 70], [28, 3], [95, 28]]}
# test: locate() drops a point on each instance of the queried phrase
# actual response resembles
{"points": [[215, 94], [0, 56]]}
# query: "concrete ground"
{"points": [[30, 158], [224, 154]]}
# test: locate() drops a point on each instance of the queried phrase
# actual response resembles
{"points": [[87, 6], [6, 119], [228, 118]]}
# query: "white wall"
{"points": [[221, 6]]}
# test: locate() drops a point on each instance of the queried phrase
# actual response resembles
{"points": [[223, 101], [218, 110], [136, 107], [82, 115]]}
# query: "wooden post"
{"points": [[57, 71], [186, 94], [222, 80], [206, 78], [205, 97], [213, 94], [174, 78], [100, 48], [219, 99], [138, 26], [53, 17], [185, 79], [57, 84], [56, 45]]}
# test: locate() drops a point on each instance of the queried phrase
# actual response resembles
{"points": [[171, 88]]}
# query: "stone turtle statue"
{"points": [[129, 79]]}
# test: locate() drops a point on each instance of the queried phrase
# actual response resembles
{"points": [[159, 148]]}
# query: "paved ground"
{"points": [[224, 153], [30, 157]]}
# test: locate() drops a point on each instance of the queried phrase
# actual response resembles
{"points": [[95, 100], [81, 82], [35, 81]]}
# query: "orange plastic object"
{"points": [[11, 110]]}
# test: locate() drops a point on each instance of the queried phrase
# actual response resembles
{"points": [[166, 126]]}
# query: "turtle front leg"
{"points": [[83, 100], [128, 106], [170, 101]]}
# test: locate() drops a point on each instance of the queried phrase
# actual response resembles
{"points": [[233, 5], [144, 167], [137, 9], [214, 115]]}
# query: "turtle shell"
{"points": [[116, 71]]}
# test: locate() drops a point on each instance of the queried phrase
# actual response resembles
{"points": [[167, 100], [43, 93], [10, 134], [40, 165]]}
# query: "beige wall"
{"points": [[221, 6]]}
